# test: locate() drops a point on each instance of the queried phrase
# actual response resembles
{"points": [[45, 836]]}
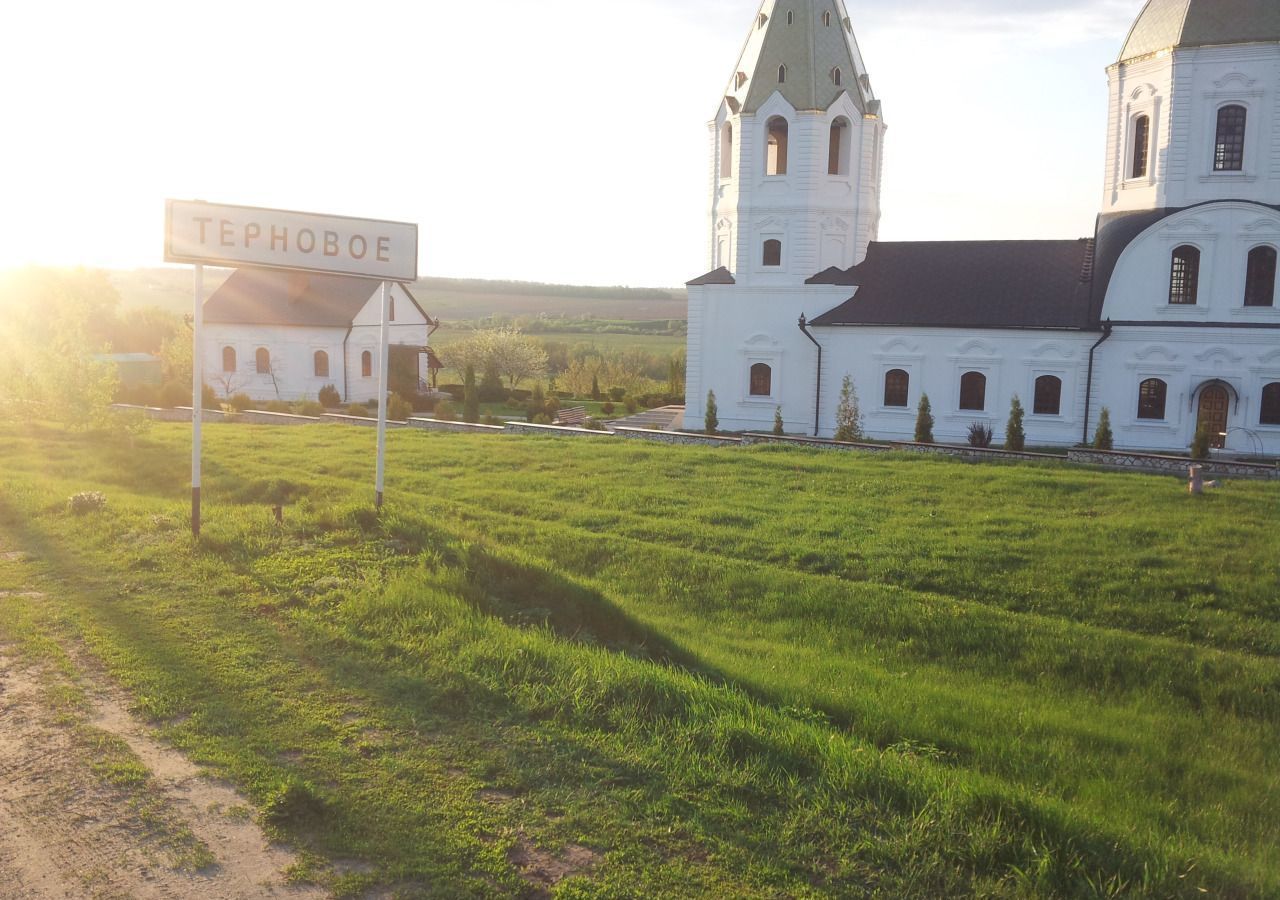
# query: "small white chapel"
{"points": [[1166, 315]]}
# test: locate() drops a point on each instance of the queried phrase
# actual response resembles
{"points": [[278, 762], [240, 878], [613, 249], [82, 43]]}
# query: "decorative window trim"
{"points": [[1275, 271], [1171, 406], [761, 349], [1063, 386], [884, 389], [986, 391], [1263, 384]]}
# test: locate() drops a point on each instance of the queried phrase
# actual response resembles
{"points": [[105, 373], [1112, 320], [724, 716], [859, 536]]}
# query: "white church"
{"points": [[1166, 315]]}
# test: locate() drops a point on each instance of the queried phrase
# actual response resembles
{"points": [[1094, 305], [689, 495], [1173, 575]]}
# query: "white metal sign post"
{"points": [[203, 234]]}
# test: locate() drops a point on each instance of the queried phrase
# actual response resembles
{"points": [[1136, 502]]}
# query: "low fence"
{"points": [[1171, 465], [454, 427], [684, 438]]}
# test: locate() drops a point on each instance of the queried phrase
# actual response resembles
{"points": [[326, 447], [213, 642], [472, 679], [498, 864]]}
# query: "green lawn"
{"points": [[753, 672]]}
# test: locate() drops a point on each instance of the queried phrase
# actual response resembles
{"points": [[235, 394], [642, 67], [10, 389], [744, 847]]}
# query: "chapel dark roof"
{"points": [[269, 297], [716, 276], [967, 284]]}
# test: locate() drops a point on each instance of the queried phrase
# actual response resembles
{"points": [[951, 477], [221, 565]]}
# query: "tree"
{"points": [[848, 415], [1103, 438], [778, 427], [1015, 438], [537, 405], [711, 420], [491, 389], [595, 386], [924, 421], [508, 353], [470, 397]]}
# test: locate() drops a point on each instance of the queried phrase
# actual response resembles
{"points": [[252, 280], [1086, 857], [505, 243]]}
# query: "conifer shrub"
{"points": [[329, 397], [595, 388], [924, 421], [1103, 439], [778, 427], [536, 405], [470, 396], [711, 420], [1015, 438], [491, 389], [848, 415], [445, 412], [1201, 442]]}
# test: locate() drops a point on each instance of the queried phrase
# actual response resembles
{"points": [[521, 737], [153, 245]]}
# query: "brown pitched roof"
{"points": [[715, 276], [967, 284], [265, 297]]}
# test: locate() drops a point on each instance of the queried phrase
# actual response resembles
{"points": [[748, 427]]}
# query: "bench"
{"points": [[573, 415]]}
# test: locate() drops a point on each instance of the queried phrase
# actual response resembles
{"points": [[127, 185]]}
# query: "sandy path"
{"points": [[67, 833]]}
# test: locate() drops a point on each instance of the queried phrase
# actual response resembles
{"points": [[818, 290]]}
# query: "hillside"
{"points": [[445, 298], [610, 669]]}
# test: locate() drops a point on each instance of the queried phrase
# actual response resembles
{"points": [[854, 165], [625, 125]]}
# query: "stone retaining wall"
{"points": [[358, 421], [455, 427], [954, 450], [1171, 465], [531, 428], [678, 437], [813, 443]]}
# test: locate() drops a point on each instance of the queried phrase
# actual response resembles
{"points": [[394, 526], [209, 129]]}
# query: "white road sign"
{"points": [[218, 235]]}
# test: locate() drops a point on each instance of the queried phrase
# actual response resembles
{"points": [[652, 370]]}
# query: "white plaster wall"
{"points": [[1182, 92]]}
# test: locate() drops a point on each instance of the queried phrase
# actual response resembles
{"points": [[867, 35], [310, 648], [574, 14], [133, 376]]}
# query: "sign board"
{"points": [[232, 236]]}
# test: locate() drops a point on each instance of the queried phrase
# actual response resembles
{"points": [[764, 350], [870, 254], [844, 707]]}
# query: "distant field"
{"points": [[449, 299], [681, 672]]}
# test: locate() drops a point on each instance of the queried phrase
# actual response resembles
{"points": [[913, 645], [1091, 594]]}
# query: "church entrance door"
{"points": [[1214, 405]]}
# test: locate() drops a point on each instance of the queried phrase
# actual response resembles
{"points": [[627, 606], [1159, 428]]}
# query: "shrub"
{"points": [[595, 388], [631, 404], [209, 396], [357, 409], [310, 408], [138, 394], [1103, 439], [980, 435], [537, 404], [86, 502], [471, 396], [492, 420], [594, 425], [541, 419], [924, 421], [445, 411], [240, 402], [491, 389], [278, 406], [296, 804], [848, 415], [398, 408], [616, 394], [607, 408], [175, 394], [1015, 438], [329, 397], [1200, 443], [711, 421], [456, 392], [778, 427]]}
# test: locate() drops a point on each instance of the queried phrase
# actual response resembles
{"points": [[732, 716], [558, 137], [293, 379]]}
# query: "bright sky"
{"points": [[563, 140]]}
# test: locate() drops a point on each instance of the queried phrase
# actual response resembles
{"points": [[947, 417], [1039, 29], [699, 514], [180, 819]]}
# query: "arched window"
{"points": [[1260, 281], [1228, 150], [1048, 400], [761, 380], [1151, 399], [782, 74], [762, 21], [836, 75], [776, 158], [740, 79], [726, 151], [826, 19], [973, 391], [322, 364], [896, 384], [772, 252], [366, 364], [791, 18], [1270, 404], [1141, 147], [263, 360], [1184, 276], [391, 304], [228, 359], [838, 153]]}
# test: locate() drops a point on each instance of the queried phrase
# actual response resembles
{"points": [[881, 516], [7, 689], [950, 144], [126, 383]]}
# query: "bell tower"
{"points": [[796, 149]]}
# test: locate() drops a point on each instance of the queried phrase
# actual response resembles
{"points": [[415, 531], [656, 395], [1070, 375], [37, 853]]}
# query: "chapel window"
{"points": [[262, 359], [391, 303], [782, 74], [1228, 152], [791, 18], [973, 391], [896, 384], [838, 152], [1270, 404], [228, 359], [739, 80], [366, 364], [1151, 399], [1141, 147], [826, 18], [1048, 399], [837, 76], [1184, 276], [772, 252], [726, 151], [1260, 280], [776, 158], [761, 380], [322, 364]]}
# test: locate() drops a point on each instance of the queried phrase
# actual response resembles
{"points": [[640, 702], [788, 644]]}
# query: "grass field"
{"points": [[682, 671]]}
